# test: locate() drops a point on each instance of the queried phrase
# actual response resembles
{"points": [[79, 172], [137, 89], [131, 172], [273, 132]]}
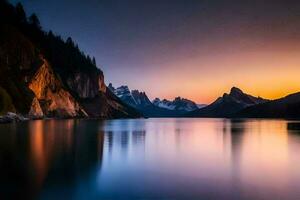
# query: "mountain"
{"points": [[156, 108], [42, 75], [140, 101], [133, 98], [286, 107], [227, 105], [178, 104]]}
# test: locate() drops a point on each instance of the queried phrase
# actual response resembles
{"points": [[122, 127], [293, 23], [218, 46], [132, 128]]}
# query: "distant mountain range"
{"points": [[157, 107], [235, 104], [179, 104], [238, 104]]}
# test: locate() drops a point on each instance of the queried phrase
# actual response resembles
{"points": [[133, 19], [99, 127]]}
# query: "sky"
{"points": [[197, 49]]}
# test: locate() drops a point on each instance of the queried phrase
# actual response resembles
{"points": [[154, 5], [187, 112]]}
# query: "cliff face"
{"points": [[87, 85], [54, 99]]}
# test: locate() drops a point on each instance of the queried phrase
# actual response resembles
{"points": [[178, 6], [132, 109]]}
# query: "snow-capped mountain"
{"points": [[124, 94], [133, 98], [141, 99], [201, 105], [156, 108], [178, 104]]}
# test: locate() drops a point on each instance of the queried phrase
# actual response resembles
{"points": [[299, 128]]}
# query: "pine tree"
{"points": [[89, 59], [94, 61], [34, 20], [21, 15], [70, 42]]}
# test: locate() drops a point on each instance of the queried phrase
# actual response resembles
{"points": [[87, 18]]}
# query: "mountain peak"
{"points": [[111, 87], [177, 99], [235, 90]]}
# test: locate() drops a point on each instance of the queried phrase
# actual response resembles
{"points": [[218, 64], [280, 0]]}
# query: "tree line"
{"points": [[64, 55]]}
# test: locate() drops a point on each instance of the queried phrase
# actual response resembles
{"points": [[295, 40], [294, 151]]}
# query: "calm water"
{"points": [[150, 159]]}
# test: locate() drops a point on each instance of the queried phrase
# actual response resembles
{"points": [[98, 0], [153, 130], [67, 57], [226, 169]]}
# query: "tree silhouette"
{"points": [[21, 15], [34, 20], [70, 42]]}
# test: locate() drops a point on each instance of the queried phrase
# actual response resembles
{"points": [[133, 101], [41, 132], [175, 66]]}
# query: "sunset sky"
{"points": [[197, 49]]}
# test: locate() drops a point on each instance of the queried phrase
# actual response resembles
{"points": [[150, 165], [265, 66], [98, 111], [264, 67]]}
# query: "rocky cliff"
{"points": [[86, 85], [42, 75], [54, 99]]}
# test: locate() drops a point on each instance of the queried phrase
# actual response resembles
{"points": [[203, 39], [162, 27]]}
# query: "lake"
{"points": [[150, 159]]}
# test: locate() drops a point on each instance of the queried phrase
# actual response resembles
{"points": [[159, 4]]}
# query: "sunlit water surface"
{"points": [[150, 159]]}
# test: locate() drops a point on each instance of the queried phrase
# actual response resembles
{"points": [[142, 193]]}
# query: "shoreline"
{"points": [[11, 117]]}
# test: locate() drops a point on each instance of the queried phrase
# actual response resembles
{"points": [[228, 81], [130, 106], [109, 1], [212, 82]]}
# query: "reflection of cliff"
{"points": [[50, 153], [14, 181]]}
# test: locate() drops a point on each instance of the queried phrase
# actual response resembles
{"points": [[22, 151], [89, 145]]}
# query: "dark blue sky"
{"points": [[176, 47]]}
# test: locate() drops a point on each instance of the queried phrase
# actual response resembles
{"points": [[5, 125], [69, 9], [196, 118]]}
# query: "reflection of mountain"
{"points": [[234, 133], [235, 130], [138, 136], [59, 152], [293, 127], [123, 137]]}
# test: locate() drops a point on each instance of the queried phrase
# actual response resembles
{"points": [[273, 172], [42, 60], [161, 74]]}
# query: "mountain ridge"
{"points": [[155, 108], [285, 107], [227, 105]]}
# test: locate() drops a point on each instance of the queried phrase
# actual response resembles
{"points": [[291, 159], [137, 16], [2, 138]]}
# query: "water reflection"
{"points": [[293, 127], [153, 158], [50, 153]]}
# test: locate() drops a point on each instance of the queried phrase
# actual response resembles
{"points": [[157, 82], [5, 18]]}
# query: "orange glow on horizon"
{"points": [[269, 73]]}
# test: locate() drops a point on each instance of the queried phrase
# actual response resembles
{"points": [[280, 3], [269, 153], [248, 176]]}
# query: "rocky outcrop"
{"points": [[87, 85], [54, 99], [36, 111], [12, 117]]}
